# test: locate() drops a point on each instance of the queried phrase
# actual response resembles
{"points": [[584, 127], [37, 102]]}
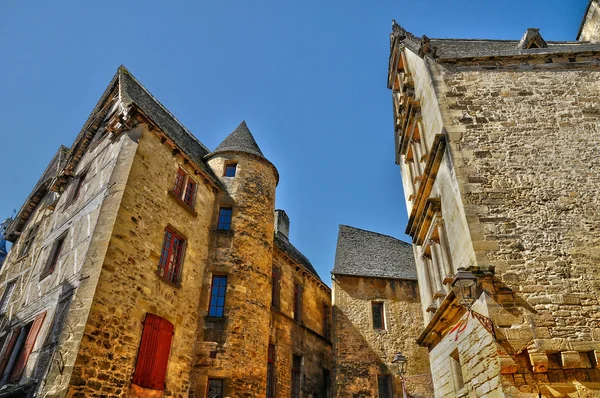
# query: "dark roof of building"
{"points": [[133, 92], [240, 140], [37, 193], [456, 49], [284, 245], [366, 253], [477, 48]]}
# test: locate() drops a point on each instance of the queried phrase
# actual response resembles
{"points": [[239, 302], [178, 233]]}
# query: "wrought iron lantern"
{"points": [[401, 363], [466, 284]]}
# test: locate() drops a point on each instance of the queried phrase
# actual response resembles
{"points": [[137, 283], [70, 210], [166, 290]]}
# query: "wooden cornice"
{"points": [[438, 148], [432, 207]]}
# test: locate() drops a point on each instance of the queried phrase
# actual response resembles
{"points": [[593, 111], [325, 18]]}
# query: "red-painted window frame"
{"points": [[179, 182], [190, 192], [153, 354], [25, 350], [171, 257]]}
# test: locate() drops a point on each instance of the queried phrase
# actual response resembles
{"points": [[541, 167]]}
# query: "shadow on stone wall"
{"points": [[357, 365]]}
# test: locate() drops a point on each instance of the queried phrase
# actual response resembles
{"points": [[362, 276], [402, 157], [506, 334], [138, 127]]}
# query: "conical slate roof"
{"points": [[240, 140]]}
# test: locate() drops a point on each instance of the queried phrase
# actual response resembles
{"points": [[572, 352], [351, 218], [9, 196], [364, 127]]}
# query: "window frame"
{"points": [[229, 166], [25, 246], [164, 264], [298, 301], [227, 223], [76, 190], [218, 296], [7, 295], [208, 387], [381, 306], [296, 384], [271, 357], [387, 379], [276, 288], [55, 254], [181, 187]]}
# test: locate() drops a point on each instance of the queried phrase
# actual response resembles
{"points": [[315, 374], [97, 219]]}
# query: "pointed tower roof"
{"points": [[240, 140]]}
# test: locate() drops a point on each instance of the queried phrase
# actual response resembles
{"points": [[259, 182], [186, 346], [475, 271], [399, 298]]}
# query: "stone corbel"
{"points": [[574, 360], [432, 308], [539, 362]]}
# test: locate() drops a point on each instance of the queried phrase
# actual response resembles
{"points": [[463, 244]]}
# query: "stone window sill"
{"points": [[181, 203], [224, 232], [176, 285]]}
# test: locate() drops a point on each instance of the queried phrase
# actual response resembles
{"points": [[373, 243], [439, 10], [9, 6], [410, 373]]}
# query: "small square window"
{"points": [[378, 317], [224, 223], [171, 258], [230, 169], [217, 296]]}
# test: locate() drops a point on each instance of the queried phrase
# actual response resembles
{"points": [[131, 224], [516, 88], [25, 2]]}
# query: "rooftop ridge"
{"points": [[123, 69]]}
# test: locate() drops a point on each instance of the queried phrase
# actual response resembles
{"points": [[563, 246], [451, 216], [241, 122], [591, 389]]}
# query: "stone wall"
{"points": [[525, 147], [361, 353], [129, 286], [308, 338]]}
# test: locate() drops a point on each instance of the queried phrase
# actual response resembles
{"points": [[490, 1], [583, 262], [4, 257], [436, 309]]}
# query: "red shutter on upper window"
{"points": [[27, 347], [153, 355], [9, 348]]}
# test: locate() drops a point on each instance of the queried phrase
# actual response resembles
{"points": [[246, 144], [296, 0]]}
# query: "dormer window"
{"points": [[230, 169]]}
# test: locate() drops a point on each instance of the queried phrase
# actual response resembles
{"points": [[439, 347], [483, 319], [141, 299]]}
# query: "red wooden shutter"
{"points": [[9, 348], [153, 355], [27, 347]]}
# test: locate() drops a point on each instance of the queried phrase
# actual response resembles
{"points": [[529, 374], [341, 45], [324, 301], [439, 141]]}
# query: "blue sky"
{"points": [[309, 77]]}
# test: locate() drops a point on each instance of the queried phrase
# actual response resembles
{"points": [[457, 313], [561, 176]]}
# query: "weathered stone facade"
{"points": [[133, 180], [373, 268], [498, 147]]}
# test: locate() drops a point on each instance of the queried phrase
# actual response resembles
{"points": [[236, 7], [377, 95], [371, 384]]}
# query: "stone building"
{"points": [[144, 264], [376, 313], [498, 141]]}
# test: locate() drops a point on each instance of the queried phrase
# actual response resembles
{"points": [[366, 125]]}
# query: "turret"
{"points": [[590, 26], [243, 247]]}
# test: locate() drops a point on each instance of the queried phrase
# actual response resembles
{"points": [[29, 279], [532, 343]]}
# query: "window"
{"points": [[171, 258], [217, 296], [456, 367], [326, 329], [378, 317], [271, 372], [384, 386], [153, 354], [54, 256], [298, 302], [276, 288], [28, 240], [230, 169], [20, 345], [224, 223], [79, 180], [296, 375], [326, 383], [185, 187], [215, 388], [10, 287]]}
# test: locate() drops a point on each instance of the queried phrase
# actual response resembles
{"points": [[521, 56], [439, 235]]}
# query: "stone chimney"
{"points": [[282, 223]]}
